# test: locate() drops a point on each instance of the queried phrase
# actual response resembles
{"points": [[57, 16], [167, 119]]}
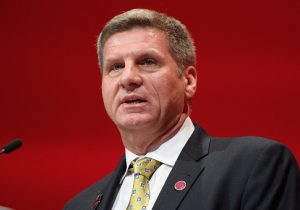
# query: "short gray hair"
{"points": [[181, 44]]}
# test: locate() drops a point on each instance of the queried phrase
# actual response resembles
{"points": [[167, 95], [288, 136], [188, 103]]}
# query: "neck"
{"points": [[141, 141]]}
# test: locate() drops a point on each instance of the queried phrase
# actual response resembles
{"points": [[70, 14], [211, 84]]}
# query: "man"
{"points": [[147, 61]]}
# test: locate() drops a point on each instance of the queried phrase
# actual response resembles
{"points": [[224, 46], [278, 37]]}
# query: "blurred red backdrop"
{"points": [[248, 63]]}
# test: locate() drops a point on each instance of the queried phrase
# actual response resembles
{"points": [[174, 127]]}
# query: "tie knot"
{"points": [[145, 166]]}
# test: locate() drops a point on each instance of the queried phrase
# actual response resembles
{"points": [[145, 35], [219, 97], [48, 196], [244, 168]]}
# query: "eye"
{"points": [[148, 62], [117, 66]]}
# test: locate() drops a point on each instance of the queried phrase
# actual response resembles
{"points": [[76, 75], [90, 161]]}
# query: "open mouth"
{"points": [[134, 101]]}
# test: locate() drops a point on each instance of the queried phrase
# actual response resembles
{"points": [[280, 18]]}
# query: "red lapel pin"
{"points": [[180, 185], [97, 201]]}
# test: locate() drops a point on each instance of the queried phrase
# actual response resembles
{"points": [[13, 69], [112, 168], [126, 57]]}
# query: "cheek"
{"points": [[157, 89], [170, 91], [108, 94]]}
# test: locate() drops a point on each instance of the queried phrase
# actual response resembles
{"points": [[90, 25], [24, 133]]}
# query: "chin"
{"points": [[135, 123]]}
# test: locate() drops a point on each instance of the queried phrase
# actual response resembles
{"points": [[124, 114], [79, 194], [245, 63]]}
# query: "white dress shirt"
{"points": [[167, 153]]}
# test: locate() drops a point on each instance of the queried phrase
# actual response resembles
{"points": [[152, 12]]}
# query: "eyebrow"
{"points": [[139, 54]]}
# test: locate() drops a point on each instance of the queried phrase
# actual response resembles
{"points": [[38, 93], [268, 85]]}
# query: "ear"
{"points": [[190, 76]]}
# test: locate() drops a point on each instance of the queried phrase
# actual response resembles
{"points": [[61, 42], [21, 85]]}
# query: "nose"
{"points": [[130, 78]]}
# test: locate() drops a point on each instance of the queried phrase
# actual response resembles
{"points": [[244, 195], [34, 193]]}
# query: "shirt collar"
{"points": [[168, 152]]}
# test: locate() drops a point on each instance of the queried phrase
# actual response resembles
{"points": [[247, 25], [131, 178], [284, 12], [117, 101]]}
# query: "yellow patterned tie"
{"points": [[143, 170]]}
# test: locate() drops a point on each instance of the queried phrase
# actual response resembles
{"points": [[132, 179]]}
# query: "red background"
{"points": [[248, 63]]}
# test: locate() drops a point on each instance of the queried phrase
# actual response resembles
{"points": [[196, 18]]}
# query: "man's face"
{"points": [[140, 84]]}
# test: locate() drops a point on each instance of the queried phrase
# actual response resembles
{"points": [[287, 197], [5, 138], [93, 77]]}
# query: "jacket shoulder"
{"points": [[251, 144], [250, 151]]}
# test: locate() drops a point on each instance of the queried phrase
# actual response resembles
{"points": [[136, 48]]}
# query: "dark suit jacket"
{"points": [[246, 173]]}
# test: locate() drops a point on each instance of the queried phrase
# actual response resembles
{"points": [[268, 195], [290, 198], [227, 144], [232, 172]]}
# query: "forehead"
{"points": [[134, 41]]}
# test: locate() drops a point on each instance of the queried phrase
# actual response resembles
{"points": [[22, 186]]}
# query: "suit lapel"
{"points": [[109, 193], [187, 168]]}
